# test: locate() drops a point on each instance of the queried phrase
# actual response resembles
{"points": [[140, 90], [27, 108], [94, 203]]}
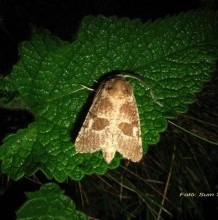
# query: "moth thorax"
{"points": [[118, 88]]}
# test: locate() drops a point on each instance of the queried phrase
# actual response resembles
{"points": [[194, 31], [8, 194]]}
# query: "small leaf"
{"points": [[175, 57], [49, 203]]}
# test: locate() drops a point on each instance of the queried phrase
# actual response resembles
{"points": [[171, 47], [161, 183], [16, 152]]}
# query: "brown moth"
{"points": [[112, 123]]}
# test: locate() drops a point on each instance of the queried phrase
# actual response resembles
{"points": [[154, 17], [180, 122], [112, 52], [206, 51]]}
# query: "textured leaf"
{"points": [[49, 203], [175, 56]]}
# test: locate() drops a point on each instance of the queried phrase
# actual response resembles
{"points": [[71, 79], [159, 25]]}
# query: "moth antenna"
{"points": [[142, 80], [86, 87]]}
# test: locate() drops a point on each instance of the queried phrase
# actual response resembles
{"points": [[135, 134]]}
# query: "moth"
{"points": [[112, 123]]}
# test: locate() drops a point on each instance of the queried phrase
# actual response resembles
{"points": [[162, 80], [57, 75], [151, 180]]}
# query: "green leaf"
{"points": [[49, 203], [175, 57]]}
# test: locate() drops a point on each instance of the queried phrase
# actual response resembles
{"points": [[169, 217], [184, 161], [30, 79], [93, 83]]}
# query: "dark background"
{"points": [[62, 18]]}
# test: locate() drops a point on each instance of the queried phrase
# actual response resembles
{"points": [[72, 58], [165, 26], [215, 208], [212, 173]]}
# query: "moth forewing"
{"points": [[112, 123]]}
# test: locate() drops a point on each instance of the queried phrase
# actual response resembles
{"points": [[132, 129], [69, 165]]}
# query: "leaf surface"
{"points": [[49, 203]]}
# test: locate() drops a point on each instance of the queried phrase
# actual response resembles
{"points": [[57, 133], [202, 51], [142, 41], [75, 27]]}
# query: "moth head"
{"points": [[118, 87]]}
